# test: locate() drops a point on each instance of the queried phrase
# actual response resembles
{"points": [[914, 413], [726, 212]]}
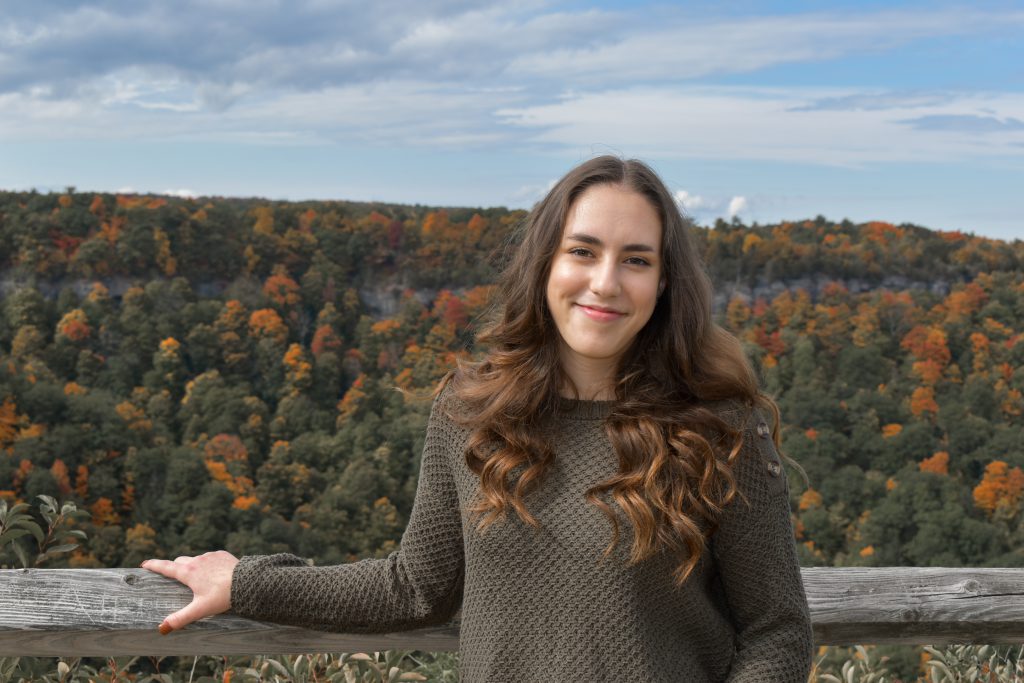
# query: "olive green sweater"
{"points": [[540, 605]]}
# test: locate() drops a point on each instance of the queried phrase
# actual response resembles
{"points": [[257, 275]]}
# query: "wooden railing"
{"points": [[109, 612]]}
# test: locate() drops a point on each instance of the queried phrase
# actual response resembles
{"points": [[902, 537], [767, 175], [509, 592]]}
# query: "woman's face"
{"points": [[605, 279]]}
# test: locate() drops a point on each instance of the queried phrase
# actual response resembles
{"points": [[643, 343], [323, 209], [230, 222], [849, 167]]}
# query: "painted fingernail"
{"points": [[165, 629]]}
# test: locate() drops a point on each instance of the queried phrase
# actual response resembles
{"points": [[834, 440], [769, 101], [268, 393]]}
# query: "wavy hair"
{"points": [[675, 454]]}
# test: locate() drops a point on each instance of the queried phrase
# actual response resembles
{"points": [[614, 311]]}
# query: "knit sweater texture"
{"points": [[541, 604]]}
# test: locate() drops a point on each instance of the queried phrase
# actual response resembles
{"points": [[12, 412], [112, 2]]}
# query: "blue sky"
{"points": [[897, 111]]}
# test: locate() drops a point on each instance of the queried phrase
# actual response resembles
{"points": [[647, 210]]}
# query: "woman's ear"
{"points": [[661, 286]]}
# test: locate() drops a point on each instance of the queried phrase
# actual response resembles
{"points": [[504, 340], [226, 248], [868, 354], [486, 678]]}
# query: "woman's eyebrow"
{"points": [[590, 239]]}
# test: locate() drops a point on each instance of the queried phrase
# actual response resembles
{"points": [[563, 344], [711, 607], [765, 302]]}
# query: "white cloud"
{"points": [[707, 122], [737, 205], [677, 48], [184, 194], [707, 209], [690, 202]]}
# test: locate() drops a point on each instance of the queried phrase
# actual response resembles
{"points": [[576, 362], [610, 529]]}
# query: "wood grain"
{"points": [[104, 612]]}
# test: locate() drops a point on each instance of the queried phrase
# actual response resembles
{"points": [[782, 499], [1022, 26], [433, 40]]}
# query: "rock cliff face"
{"points": [[725, 291], [383, 299]]}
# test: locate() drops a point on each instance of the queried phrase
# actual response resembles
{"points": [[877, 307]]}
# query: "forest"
{"points": [[255, 375]]}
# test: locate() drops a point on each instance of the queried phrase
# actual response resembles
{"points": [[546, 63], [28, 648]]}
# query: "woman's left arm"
{"points": [[755, 552]]}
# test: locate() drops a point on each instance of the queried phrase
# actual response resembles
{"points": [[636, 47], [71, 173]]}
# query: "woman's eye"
{"points": [[580, 251], [638, 261]]}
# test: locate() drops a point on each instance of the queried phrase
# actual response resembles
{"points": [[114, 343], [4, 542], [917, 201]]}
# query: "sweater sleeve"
{"points": [[420, 584], [755, 552]]}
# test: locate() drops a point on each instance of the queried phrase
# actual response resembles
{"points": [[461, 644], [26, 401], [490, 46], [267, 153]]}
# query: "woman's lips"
{"points": [[600, 314]]}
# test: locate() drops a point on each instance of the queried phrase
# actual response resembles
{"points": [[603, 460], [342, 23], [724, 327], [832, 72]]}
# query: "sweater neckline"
{"points": [[579, 409]]}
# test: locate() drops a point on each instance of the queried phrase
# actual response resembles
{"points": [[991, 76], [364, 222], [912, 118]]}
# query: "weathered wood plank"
{"points": [[94, 612], [106, 612], [915, 605]]}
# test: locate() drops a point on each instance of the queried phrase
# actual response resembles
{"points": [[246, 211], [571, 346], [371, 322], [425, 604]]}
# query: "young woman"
{"points": [[601, 494]]}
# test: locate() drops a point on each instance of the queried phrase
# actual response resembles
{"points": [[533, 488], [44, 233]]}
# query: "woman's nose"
{"points": [[604, 279]]}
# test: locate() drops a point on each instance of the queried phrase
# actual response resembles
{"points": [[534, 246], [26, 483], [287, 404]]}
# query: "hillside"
{"points": [[220, 372]]}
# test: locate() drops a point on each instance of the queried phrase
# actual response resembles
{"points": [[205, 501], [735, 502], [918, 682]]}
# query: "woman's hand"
{"points": [[209, 577]]}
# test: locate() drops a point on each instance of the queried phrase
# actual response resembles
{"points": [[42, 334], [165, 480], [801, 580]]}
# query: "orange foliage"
{"points": [[98, 293], [1000, 488], [134, 416], [264, 224], [97, 207], [349, 403], [929, 371], [74, 325], [810, 499], [111, 231], [937, 464], [266, 323], [306, 220], [994, 328], [760, 307], [103, 513], [963, 302], [923, 401], [170, 346], [435, 221], [450, 309], [325, 339], [867, 551], [881, 233], [233, 316], [891, 430], [281, 289], [927, 344], [245, 502], [240, 486], [476, 224], [386, 326], [865, 324], [10, 423], [1013, 405], [227, 448], [60, 475], [890, 484], [82, 482], [299, 369], [979, 346], [772, 343]]}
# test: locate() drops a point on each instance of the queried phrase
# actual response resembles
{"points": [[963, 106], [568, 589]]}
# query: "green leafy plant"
{"points": [[970, 663], [16, 524], [863, 668], [360, 667]]}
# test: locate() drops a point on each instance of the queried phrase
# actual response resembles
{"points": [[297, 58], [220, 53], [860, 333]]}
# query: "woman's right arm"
{"points": [[420, 584]]}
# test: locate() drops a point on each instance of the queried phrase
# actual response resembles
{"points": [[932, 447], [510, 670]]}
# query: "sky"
{"points": [[765, 111]]}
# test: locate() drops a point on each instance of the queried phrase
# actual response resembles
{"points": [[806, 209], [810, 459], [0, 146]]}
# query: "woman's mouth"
{"points": [[600, 314]]}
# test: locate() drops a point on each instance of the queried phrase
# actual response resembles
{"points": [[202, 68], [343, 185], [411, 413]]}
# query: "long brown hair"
{"points": [[672, 482]]}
